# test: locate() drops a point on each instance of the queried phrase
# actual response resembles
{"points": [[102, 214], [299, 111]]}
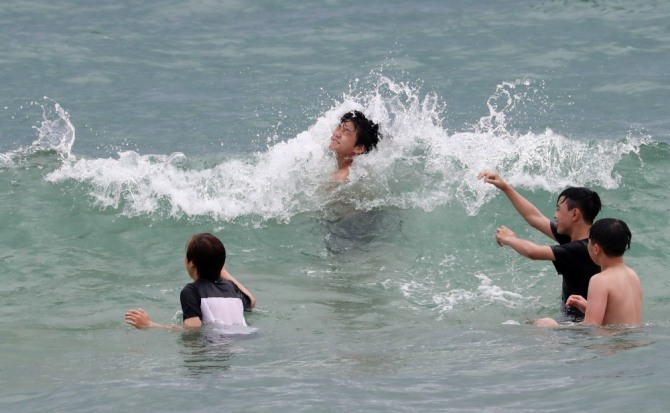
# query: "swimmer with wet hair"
{"points": [[214, 296], [353, 136], [615, 293], [576, 208]]}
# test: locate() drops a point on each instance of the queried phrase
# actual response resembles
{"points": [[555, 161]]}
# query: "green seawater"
{"points": [[125, 128]]}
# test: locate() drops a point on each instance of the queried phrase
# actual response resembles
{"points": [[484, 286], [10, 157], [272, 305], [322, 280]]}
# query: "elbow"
{"points": [[252, 302]]}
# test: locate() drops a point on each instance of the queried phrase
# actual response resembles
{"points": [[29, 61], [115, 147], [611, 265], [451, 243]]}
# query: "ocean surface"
{"points": [[128, 126]]}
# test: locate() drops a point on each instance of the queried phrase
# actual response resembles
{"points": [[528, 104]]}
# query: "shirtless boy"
{"points": [[615, 294], [355, 135]]}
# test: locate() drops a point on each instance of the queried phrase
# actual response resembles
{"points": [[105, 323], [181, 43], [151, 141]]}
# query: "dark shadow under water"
{"points": [[210, 351], [351, 230]]}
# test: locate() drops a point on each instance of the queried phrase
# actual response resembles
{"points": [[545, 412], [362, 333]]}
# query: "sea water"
{"points": [[126, 127]]}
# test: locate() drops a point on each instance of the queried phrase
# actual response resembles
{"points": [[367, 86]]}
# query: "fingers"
{"points": [[497, 236], [135, 317], [503, 235], [487, 175], [502, 230], [135, 313], [574, 300], [131, 317]]}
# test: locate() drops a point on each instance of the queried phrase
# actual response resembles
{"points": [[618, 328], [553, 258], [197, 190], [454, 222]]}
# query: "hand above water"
{"points": [[138, 318]]}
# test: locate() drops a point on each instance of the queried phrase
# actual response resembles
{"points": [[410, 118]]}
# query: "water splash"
{"points": [[486, 293], [418, 164], [55, 133]]}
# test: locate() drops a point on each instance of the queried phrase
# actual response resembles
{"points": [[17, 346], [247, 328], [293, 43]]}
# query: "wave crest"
{"points": [[418, 164]]}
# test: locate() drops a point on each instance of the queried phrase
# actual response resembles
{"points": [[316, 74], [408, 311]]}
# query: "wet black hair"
{"points": [[208, 255], [367, 132], [584, 199], [612, 235]]}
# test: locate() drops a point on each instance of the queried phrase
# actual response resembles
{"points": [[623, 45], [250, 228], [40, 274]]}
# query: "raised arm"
{"points": [[528, 211], [226, 276]]}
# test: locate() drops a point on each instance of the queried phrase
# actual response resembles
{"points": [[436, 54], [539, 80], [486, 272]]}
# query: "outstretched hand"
{"points": [[138, 318], [492, 178], [503, 234]]}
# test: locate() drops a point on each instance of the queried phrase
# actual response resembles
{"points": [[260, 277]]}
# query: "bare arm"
{"points": [[226, 276], [140, 319], [594, 308], [528, 211], [505, 236]]}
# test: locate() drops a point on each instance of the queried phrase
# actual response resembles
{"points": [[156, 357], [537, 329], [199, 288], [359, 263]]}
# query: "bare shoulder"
{"points": [[624, 272], [632, 272], [632, 276], [605, 282], [598, 278], [617, 277]]}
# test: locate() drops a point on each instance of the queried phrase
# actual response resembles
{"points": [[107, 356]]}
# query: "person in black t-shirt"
{"points": [[576, 208], [615, 294], [214, 296]]}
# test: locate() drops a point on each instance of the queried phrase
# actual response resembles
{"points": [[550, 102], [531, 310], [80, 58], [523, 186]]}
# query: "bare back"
{"points": [[615, 297]]}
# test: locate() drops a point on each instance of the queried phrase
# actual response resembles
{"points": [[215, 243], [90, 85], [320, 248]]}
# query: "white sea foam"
{"points": [[418, 164], [486, 292], [55, 133]]}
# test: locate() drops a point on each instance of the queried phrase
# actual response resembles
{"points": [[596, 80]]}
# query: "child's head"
{"points": [[207, 253], [584, 199], [367, 132], [612, 235]]}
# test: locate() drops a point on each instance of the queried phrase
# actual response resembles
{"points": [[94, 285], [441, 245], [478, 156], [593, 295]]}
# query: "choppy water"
{"points": [[127, 127]]}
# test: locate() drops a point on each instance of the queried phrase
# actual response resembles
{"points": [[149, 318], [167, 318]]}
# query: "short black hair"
{"points": [[367, 132], [612, 235], [208, 255], [584, 199]]}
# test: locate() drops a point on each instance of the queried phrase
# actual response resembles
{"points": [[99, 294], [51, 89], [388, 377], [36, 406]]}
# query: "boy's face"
{"points": [[563, 216], [343, 140]]}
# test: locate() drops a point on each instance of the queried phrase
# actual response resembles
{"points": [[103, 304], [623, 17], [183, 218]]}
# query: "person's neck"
{"points": [[344, 162], [580, 231], [343, 165], [610, 262]]}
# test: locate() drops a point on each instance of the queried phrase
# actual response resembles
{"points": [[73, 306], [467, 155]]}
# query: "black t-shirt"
{"points": [[573, 262], [214, 302]]}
